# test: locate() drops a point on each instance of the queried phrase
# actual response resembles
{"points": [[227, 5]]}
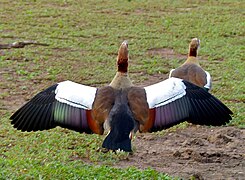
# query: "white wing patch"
{"points": [[170, 73], [76, 95], [209, 81], [165, 92]]}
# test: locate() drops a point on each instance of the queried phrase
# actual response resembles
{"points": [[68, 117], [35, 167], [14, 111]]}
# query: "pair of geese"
{"points": [[122, 108]]}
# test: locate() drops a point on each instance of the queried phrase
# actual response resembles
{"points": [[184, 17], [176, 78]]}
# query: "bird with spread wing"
{"points": [[120, 108]]}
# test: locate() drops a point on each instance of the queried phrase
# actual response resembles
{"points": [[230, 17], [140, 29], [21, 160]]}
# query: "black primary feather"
{"points": [[33, 114], [205, 108], [197, 106], [44, 112]]}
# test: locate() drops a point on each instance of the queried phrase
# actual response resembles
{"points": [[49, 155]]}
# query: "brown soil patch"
{"points": [[202, 152], [148, 79], [166, 53]]}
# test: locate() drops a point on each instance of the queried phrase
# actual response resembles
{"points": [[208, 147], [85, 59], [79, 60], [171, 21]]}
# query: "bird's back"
{"points": [[191, 72]]}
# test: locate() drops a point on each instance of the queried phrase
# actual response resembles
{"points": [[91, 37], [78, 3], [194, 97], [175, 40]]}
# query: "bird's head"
{"points": [[121, 125], [122, 58], [194, 46]]}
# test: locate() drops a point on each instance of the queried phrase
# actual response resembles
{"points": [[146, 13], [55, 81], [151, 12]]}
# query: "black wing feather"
{"points": [[44, 112], [201, 101], [196, 106]]}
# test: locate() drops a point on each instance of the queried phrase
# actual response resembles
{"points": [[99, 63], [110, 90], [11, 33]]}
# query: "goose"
{"points": [[121, 108], [191, 70]]}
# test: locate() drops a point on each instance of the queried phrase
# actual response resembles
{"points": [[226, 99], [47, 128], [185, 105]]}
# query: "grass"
{"points": [[83, 38]]}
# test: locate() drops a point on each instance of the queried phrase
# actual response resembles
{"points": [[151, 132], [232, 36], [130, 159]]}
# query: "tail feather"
{"points": [[121, 124], [110, 143]]}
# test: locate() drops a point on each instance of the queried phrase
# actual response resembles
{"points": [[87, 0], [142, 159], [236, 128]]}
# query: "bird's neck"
{"points": [[193, 52], [121, 81], [122, 65], [192, 60]]}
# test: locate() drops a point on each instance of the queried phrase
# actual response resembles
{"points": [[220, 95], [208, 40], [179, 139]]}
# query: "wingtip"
{"points": [[207, 109]]}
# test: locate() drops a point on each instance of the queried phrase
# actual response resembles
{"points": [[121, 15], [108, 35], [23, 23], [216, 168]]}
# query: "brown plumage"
{"points": [[105, 97], [191, 70]]}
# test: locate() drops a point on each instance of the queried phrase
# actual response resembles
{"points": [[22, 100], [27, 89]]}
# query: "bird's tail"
{"points": [[121, 124], [124, 145]]}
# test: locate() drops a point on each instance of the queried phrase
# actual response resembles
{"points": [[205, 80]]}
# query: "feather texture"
{"points": [[74, 94], [65, 104], [195, 105], [164, 92]]}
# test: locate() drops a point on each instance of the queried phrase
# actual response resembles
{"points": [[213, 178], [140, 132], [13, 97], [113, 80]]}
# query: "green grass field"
{"points": [[83, 38]]}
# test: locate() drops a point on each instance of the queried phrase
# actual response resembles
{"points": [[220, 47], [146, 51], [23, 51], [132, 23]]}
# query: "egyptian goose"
{"points": [[120, 108], [191, 70]]}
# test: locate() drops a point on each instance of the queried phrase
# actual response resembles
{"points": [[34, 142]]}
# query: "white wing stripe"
{"points": [[165, 92], [71, 103], [170, 73], [76, 95], [209, 81]]}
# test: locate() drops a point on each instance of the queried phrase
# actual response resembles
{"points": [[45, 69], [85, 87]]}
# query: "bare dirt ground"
{"points": [[198, 151]]}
